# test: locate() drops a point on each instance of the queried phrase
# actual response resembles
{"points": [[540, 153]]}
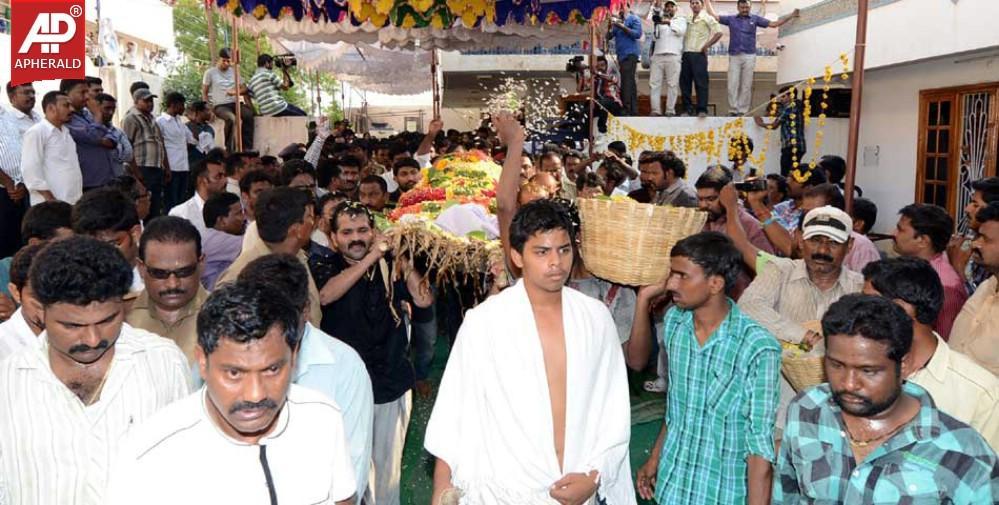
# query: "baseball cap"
{"points": [[142, 94], [669, 2], [827, 221]]}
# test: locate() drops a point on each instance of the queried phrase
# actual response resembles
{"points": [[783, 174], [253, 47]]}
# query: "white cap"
{"points": [[827, 221]]}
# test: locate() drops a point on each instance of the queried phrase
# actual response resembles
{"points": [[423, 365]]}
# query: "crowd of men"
{"points": [[258, 315], [675, 49]]}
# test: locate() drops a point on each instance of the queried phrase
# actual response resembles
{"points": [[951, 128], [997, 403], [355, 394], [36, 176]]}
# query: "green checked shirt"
{"points": [[720, 408], [934, 459]]}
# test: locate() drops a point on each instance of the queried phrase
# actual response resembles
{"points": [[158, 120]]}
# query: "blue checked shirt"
{"points": [[934, 459], [720, 408]]}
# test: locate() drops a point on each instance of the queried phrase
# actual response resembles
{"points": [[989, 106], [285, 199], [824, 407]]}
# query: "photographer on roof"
{"points": [[267, 86]]}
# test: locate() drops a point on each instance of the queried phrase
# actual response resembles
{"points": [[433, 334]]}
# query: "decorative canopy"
{"points": [[426, 24]]}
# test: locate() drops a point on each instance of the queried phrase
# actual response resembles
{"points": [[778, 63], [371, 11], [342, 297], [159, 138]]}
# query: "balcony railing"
{"points": [[719, 49]]}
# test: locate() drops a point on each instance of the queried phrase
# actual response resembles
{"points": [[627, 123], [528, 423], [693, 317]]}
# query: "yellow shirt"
{"points": [[962, 389], [184, 332], [976, 329], [254, 248], [699, 31]]}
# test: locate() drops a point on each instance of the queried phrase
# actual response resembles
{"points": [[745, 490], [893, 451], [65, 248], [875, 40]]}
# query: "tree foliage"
{"points": [[191, 33]]}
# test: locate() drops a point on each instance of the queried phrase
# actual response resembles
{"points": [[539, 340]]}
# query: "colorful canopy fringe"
{"points": [[440, 14]]}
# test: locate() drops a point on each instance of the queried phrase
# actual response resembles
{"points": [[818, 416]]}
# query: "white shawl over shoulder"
{"points": [[492, 420]]}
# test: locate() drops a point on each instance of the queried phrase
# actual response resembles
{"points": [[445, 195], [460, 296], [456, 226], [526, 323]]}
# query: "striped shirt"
{"points": [[10, 146], [720, 408], [266, 88], [933, 459], [56, 450]]}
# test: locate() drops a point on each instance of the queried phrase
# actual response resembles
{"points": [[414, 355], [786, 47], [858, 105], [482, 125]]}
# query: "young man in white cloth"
{"points": [[248, 436], [533, 406]]}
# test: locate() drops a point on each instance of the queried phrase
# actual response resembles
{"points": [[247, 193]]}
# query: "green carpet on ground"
{"points": [[417, 464]]}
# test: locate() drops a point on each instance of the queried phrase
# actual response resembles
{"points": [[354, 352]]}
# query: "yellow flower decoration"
{"points": [[384, 6], [421, 6]]}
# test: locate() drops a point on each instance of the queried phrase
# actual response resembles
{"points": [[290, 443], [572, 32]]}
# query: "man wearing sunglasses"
{"points": [[170, 262]]}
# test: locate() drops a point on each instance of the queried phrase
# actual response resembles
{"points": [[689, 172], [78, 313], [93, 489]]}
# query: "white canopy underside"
{"points": [[367, 67]]}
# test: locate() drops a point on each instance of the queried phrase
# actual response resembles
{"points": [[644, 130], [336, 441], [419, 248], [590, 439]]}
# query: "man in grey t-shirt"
{"points": [[218, 88]]}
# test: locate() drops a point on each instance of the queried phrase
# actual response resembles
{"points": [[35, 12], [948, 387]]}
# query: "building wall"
{"points": [[898, 32], [889, 126]]}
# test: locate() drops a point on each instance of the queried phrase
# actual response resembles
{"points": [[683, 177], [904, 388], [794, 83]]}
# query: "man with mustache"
{"points": [[407, 175], [976, 329], [248, 436], [13, 194], [787, 294], [723, 393], [362, 305], [959, 386], [662, 174], [170, 261], [868, 436], [66, 403]]}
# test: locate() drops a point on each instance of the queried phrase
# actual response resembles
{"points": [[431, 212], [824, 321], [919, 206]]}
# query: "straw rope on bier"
{"points": [[629, 242]]}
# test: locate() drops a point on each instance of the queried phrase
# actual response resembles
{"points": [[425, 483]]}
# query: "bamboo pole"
{"points": [[435, 84], [855, 102], [593, 83], [236, 59], [212, 44]]}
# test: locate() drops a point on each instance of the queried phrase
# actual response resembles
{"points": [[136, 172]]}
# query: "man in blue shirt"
{"points": [[626, 29], [94, 144], [742, 52], [324, 363]]}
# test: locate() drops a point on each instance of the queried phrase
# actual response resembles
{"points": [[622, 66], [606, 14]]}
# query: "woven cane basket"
{"points": [[802, 372], [629, 242]]}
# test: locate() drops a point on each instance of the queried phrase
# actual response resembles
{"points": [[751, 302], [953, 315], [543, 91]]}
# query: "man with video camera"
{"points": [[266, 86], [626, 30], [667, 33]]}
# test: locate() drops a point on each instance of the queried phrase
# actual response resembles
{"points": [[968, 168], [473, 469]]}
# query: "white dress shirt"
{"points": [[191, 210], [25, 121], [49, 163], [56, 450], [182, 456], [176, 136], [15, 334], [669, 38], [232, 186]]}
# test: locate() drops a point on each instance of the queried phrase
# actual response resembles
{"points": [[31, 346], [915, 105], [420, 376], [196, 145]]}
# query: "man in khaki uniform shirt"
{"points": [[285, 220], [959, 386], [170, 262], [976, 329]]}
